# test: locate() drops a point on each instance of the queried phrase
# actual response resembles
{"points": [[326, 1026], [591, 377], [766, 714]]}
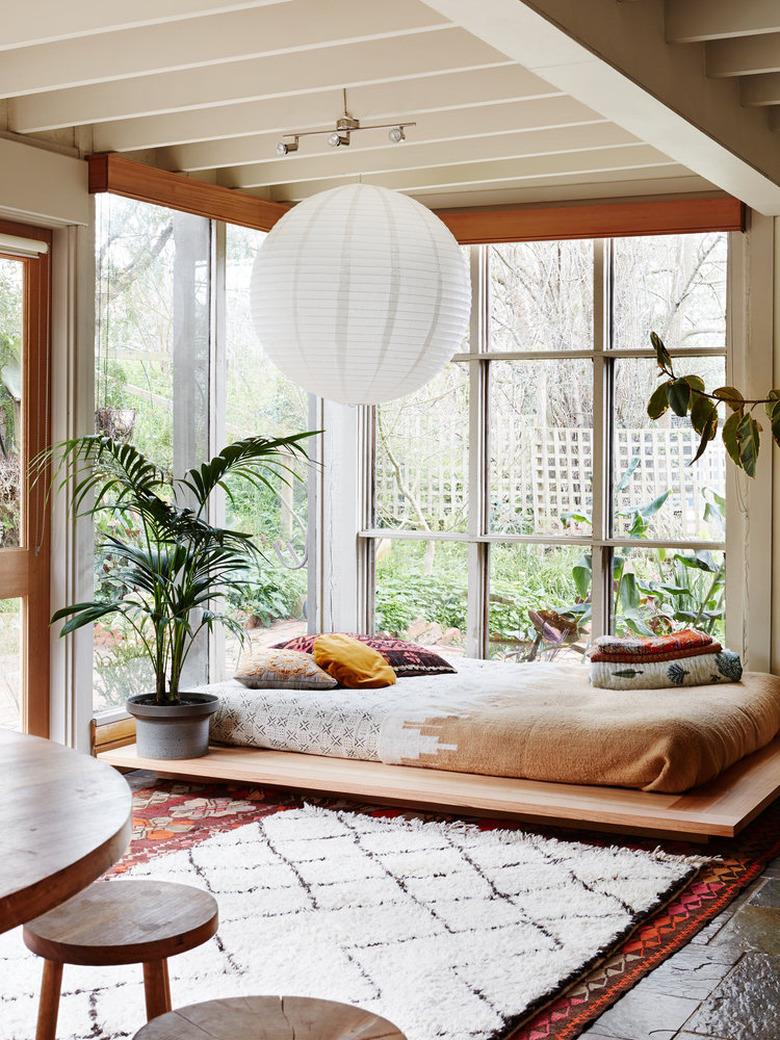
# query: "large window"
{"points": [[522, 501], [180, 373]]}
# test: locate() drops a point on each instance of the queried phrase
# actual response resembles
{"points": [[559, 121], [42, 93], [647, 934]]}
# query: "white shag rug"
{"points": [[449, 931]]}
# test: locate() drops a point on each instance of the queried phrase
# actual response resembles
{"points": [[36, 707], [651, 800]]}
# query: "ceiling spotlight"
{"points": [[397, 134], [337, 139], [285, 147]]}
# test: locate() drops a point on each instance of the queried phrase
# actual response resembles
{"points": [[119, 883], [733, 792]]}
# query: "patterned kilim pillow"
{"points": [[406, 659], [281, 669]]}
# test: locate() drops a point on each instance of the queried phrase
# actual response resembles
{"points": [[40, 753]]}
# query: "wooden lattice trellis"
{"points": [[538, 474]]}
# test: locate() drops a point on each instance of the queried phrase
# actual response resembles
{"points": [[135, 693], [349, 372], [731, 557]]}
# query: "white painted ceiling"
{"points": [[208, 86]]}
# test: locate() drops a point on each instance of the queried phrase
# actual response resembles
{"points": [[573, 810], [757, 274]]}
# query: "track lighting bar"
{"points": [[346, 125]]}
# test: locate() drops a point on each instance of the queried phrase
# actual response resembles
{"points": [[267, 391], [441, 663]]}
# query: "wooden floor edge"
{"points": [[720, 809]]}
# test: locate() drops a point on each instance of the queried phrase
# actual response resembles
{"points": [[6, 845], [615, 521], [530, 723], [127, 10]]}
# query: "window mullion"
{"points": [[602, 365], [216, 426], [477, 610]]}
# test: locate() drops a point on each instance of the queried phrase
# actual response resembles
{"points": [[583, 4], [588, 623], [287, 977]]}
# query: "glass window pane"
{"points": [[658, 590], [11, 676], [539, 607], [422, 448], [541, 296], [674, 285], [152, 385], [421, 592], [259, 400], [11, 318], [657, 493], [541, 446]]}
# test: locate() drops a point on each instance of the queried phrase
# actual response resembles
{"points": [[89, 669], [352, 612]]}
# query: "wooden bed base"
{"points": [[720, 808]]}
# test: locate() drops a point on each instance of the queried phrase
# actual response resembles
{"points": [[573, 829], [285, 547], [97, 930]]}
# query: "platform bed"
{"points": [[720, 808]]}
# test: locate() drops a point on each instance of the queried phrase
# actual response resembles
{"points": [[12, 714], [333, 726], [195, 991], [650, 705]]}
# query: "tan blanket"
{"points": [[541, 721], [562, 729]]}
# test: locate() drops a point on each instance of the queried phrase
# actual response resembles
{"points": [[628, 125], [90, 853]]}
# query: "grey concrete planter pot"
{"points": [[173, 730]]}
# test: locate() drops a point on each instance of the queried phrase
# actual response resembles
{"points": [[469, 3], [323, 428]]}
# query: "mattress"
{"points": [[541, 721]]}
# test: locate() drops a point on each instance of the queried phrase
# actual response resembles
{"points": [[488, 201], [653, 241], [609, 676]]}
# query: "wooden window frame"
{"points": [[25, 572], [602, 542]]}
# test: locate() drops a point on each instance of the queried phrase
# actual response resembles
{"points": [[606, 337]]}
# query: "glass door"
{"points": [[24, 522]]}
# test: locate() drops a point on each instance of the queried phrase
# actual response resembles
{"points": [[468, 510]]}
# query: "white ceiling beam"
{"points": [[665, 173], [371, 101], [693, 21], [46, 21], [744, 56], [454, 124], [760, 90], [212, 40], [591, 163], [610, 184], [615, 59], [346, 65], [510, 147]]}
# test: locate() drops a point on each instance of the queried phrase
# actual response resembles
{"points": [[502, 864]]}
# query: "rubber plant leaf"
{"points": [[730, 439], [731, 396], [679, 397], [659, 401]]}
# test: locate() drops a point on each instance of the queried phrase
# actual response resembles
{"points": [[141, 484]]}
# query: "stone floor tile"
{"points": [[694, 971], [753, 928], [745, 1004], [767, 895], [645, 1014], [773, 869], [685, 1035]]}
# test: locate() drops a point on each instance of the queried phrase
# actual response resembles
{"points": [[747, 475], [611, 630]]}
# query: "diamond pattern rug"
{"points": [[173, 815], [448, 930]]}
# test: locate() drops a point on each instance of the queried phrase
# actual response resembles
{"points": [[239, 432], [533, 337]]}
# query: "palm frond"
{"points": [[252, 459]]}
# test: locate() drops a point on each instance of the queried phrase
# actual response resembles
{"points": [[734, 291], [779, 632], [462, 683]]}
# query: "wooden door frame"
{"points": [[25, 572]]}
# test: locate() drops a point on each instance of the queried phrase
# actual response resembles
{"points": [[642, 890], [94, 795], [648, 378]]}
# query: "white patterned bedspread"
{"points": [[372, 725]]}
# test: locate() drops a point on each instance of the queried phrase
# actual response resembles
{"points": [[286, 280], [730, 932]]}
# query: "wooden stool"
{"points": [[272, 1018], [120, 922]]}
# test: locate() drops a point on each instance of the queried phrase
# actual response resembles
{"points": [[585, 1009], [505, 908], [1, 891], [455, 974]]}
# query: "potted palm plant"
{"points": [[173, 568]]}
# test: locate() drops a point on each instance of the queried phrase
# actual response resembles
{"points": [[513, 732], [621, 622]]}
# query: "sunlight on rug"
{"points": [[448, 930]]}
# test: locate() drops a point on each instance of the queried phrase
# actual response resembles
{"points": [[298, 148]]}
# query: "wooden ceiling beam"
{"points": [[694, 21], [595, 220], [121, 176], [211, 40], [47, 21], [509, 119], [345, 65], [472, 88]]}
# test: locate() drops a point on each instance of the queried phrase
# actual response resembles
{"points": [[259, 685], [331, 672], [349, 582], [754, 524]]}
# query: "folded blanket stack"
{"points": [[686, 658]]}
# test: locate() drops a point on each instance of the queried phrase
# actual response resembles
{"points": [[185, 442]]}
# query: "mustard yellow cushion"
{"points": [[351, 663]]}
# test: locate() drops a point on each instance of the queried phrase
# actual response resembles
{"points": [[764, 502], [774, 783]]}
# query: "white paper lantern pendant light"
{"points": [[360, 294]]}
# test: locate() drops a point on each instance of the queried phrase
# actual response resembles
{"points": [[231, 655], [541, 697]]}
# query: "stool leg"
{"points": [[50, 1001], [157, 988]]}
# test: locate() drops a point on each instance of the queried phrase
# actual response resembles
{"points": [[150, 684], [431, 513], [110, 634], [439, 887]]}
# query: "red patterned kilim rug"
{"points": [[171, 815]]}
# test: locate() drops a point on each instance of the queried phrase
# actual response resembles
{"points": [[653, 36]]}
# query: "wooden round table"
{"points": [[270, 1018], [64, 820]]}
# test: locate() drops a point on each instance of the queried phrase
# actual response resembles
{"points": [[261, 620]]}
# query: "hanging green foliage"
{"points": [[687, 396]]}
